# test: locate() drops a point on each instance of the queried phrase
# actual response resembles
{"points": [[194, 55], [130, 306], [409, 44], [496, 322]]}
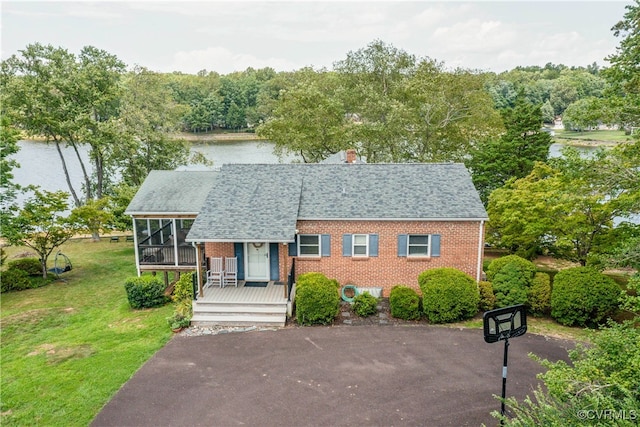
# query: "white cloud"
{"points": [[224, 61]]}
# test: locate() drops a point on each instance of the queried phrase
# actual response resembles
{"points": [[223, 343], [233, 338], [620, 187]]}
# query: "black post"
{"points": [[504, 379]]}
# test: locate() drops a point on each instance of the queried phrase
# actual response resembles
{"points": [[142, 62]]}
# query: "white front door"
{"points": [[257, 261]]}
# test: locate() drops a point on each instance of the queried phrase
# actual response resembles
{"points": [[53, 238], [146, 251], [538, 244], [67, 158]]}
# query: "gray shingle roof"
{"points": [[171, 192], [263, 202]]}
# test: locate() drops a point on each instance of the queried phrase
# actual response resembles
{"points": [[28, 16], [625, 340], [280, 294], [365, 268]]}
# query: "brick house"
{"points": [[370, 225]]}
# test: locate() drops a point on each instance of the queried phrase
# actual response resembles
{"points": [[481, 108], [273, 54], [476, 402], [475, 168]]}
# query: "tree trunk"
{"points": [[76, 200], [87, 180]]}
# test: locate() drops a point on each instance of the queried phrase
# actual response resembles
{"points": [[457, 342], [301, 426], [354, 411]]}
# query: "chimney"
{"points": [[351, 155]]}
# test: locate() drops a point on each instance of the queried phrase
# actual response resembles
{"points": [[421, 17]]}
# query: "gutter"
{"points": [[480, 250]]}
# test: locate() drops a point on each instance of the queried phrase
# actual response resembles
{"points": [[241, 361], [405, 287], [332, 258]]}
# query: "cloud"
{"points": [[224, 61]]}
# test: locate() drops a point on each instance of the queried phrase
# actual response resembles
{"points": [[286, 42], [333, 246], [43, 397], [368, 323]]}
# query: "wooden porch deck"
{"points": [[242, 306], [272, 293]]}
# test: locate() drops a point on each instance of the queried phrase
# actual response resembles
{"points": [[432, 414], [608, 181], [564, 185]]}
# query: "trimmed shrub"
{"points": [[487, 298], [583, 296], [14, 280], [365, 304], [527, 268], [448, 295], [510, 285], [404, 303], [317, 299], [31, 266], [145, 292], [539, 295]]}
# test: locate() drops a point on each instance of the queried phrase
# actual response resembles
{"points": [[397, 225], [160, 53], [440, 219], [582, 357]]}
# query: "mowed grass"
{"points": [[594, 136], [69, 346]]}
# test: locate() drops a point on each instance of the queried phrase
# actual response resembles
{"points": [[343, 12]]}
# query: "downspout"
{"points": [[198, 268], [285, 245], [135, 245], [174, 233], [480, 250]]}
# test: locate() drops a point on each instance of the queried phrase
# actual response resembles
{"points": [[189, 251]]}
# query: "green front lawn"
{"points": [[69, 346], [594, 136]]}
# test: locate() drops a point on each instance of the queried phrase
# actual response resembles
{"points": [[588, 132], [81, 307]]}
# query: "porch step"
{"points": [[239, 314]]}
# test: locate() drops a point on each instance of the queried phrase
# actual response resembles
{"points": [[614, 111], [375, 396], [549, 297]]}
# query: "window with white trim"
{"points": [[418, 245], [360, 245], [309, 245]]}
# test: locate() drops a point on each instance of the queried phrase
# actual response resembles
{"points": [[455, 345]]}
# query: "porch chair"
{"points": [[215, 272], [230, 276]]}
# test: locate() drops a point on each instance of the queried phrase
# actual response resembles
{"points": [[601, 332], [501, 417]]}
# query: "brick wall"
{"points": [[458, 249]]}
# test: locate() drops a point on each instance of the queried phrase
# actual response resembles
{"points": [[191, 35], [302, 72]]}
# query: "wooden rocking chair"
{"points": [[215, 272]]}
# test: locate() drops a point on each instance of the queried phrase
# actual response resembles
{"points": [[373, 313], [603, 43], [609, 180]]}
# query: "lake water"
{"points": [[41, 165]]}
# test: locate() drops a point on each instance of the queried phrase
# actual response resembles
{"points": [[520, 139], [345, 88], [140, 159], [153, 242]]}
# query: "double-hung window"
{"points": [[360, 245], [418, 245], [309, 245]]}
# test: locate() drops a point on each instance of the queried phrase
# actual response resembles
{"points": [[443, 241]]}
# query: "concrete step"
{"points": [[210, 319], [238, 314], [276, 309]]}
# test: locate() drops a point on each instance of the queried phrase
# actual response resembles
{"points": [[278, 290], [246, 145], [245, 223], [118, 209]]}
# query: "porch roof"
{"points": [[172, 192], [249, 205]]}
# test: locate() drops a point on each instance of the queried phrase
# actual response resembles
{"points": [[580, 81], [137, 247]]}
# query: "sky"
{"points": [[228, 36]]}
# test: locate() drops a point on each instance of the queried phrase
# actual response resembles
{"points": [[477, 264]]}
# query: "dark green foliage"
{"points": [[365, 304], [583, 296], [448, 295], [510, 286], [527, 267], [513, 155], [539, 295], [487, 297], [602, 379], [14, 280], [317, 299], [145, 292], [31, 266], [404, 303]]}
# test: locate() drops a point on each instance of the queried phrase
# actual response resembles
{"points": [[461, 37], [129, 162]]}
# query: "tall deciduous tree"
{"points": [[568, 207], [624, 73], [309, 119], [148, 117], [9, 137], [51, 93], [494, 161]]}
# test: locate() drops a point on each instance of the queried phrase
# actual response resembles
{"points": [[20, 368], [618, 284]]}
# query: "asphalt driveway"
{"points": [[329, 376]]}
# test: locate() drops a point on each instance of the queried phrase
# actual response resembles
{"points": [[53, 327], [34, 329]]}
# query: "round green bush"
{"points": [[14, 280], [317, 299], [582, 296], [31, 266], [487, 298], [539, 295], [365, 304], [145, 292], [448, 295], [510, 285], [404, 303], [527, 268]]}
